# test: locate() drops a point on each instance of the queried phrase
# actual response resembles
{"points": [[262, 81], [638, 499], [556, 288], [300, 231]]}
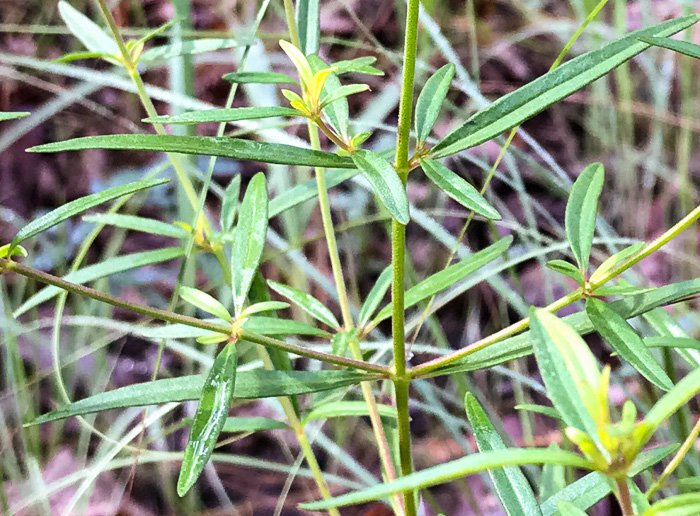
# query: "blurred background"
{"points": [[641, 121]]}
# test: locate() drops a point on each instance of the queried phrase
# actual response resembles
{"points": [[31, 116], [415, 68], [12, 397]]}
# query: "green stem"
{"points": [[676, 461], [291, 23], [398, 252], [172, 317]]}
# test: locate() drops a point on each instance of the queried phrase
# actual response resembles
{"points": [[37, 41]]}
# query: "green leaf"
{"points": [[361, 65], [101, 270], [245, 150], [690, 484], [253, 384], [223, 115], [540, 409], [672, 342], [341, 341], [385, 182], [7, 251], [453, 470], [448, 277], [87, 31], [567, 269], [683, 47], [264, 306], [569, 509], [679, 505], [515, 108], [273, 326], [78, 206], [375, 296], [553, 478], [154, 227], [343, 92], [204, 302], [459, 189], [154, 33], [338, 112], [249, 239], [625, 341], [564, 361], [581, 212], [309, 25], [210, 417], [189, 47], [348, 409], [229, 204], [431, 99], [306, 191], [75, 56], [306, 302], [512, 487], [681, 393], [252, 424], [258, 78], [615, 260], [12, 115]]}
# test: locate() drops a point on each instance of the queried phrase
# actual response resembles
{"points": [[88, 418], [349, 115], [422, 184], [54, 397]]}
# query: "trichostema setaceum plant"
{"points": [[241, 310]]}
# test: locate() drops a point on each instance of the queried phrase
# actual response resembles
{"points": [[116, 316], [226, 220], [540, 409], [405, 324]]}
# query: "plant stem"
{"points": [[623, 496], [398, 253], [676, 461], [291, 23], [168, 316]]}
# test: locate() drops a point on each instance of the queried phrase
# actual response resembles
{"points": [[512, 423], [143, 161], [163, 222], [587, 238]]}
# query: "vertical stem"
{"points": [[623, 496], [398, 253], [291, 23]]}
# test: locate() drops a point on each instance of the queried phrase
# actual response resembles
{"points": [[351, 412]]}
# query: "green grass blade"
{"points": [[306, 302], [210, 417], [453, 470], [134, 223], [682, 47], [581, 212], [258, 78], [78, 206], [252, 424], [348, 409], [515, 108], [189, 47], [431, 99], [235, 148], [511, 485], [249, 239], [448, 277], [249, 385], [375, 296], [385, 182], [204, 302], [625, 341], [229, 204], [223, 115], [88, 32], [102, 270], [13, 115], [459, 189]]}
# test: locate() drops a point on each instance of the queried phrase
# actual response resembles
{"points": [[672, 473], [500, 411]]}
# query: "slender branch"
{"points": [[676, 461], [172, 317], [623, 496]]}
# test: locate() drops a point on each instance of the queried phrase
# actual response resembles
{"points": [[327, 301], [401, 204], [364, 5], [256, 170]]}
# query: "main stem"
{"points": [[398, 254], [624, 497]]}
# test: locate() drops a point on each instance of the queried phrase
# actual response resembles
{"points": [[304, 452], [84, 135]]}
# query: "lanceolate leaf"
{"points": [[190, 47], [258, 78], [78, 206], [306, 302], [511, 485], [154, 227], [343, 92], [252, 424], [459, 189], [679, 505], [229, 204], [385, 183], [249, 239], [309, 24], [567, 269], [431, 99], [569, 509], [683, 391], [515, 108], [253, 384], [453, 470], [581, 212], [672, 342], [102, 270], [338, 112], [347, 409], [615, 260], [680, 46], [235, 148], [204, 302], [448, 277], [210, 417], [87, 31], [375, 296], [623, 339], [273, 326], [13, 115], [224, 115]]}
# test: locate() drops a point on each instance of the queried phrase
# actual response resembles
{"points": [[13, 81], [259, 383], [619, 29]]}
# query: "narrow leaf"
{"points": [[449, 276], [252, 424], [229, 204], [223, 115], [13, 115], [204, 302], [515, 108], [343, 92], [553, 478], [458, 189], [189, 47], [306, 302], [348, 409], [258, 78], [209, 419], [431, 99], [249, 239], [453, 470], [78, 206], [681, 393], [362, 65], [625, 341], [87, 31], [338, 112], [581, 212], [272, 326], [615, 260], [569, 509], [540, 409], [672, 342], [154, 227], [246, 150], [679, 505], [264, 306], [512, 487], [567, 269], [683, 47], [385, 182], [375, 296], [306, 191], [309, 25]]}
